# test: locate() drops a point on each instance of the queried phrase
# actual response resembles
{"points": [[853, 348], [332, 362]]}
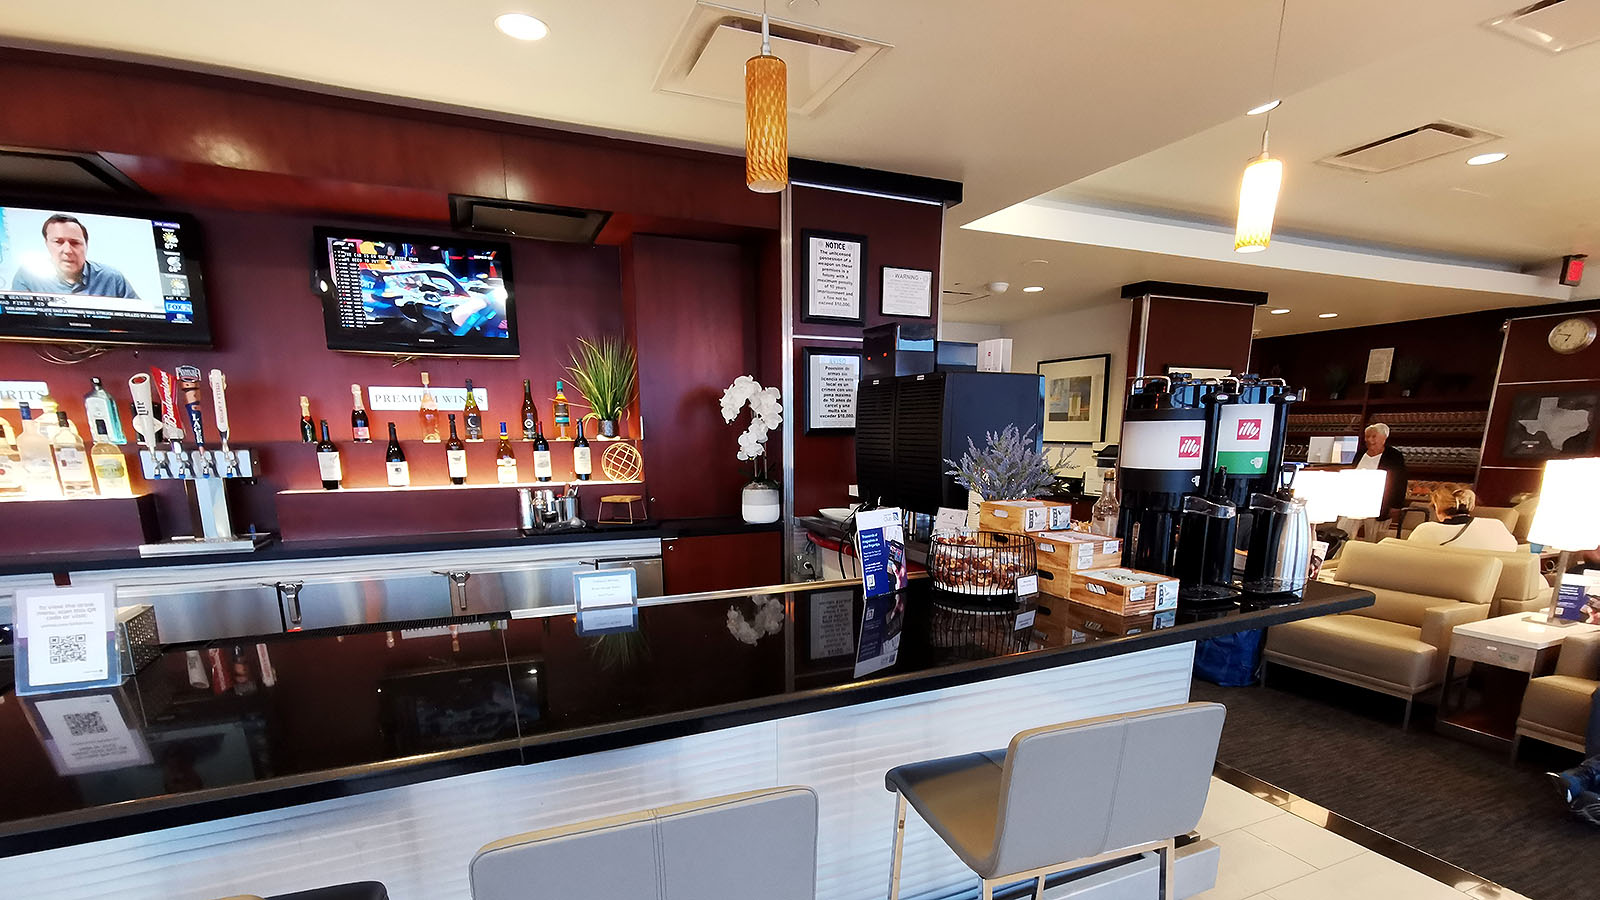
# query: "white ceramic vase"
{"points": [[760, 502]]}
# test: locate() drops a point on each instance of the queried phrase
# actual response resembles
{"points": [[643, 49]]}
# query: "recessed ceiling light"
{"points": [[1032, 289], [1327, 315], [1280, 310], [521, 26], [1483, 159], [1266, 107]]}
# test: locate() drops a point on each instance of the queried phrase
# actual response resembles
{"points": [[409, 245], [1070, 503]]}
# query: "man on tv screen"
{"points": [[67, 241]]}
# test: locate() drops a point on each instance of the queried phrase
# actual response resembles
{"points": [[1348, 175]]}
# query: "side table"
{"points": [[1518, 643]]}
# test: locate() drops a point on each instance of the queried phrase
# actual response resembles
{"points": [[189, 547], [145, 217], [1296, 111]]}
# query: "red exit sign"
{"points": [[1572, 269]]}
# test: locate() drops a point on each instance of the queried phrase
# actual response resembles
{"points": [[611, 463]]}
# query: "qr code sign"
{"points": [[80, 724], [69, 648]]}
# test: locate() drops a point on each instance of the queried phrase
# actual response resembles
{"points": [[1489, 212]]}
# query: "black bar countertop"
{"points": [[275, 549], [332, 715]]}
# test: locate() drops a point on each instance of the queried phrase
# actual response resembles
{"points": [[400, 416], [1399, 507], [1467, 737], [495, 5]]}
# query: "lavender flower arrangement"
{"points": [[1008, 468]]}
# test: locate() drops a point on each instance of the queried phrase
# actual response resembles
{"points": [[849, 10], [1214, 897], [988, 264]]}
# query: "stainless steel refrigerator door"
{"points": [[337, 603], [196, 614]]}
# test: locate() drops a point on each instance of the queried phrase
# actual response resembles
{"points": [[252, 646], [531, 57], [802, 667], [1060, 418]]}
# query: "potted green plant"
{"points": [[605, 372]]}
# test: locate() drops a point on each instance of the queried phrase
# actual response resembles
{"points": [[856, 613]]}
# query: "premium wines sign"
{"points": [[391, 398]]}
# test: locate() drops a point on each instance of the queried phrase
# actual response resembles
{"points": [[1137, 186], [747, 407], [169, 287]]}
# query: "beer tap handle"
{"points": [[219, 405]]}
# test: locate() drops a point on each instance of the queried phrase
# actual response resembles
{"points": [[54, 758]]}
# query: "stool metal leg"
{"points": [[899, 844], [1038, 889], [1164, 851], [988, 889]]}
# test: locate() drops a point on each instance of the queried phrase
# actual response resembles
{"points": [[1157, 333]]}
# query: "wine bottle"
{"points": [[110, 468], [505, 469], [582, 464], [428, 412], [39, 477], [395, 462], [472, 416], [328, 461], [541, 457], [308, 428], [72, 464], [358, 418], [455, 455], [99, 406], [530, 412], [561, 412]]}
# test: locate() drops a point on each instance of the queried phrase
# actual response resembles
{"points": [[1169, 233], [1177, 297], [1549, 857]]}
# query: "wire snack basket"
{"points": [[981, 563]]}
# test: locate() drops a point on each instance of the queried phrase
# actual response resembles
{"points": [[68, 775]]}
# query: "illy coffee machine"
{"points": [[1159, 464]]}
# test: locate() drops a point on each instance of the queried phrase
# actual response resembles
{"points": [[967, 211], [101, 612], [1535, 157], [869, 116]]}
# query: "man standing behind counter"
{"points": [[67, 241], [1380, 455]]}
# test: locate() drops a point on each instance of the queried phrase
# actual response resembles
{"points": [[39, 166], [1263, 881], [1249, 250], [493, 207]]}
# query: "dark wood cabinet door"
{"points": [[722, 561]]}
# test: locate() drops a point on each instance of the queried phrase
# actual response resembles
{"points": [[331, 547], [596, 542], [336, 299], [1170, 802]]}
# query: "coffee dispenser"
{"points": [[1159, 464], [1206, 531]]}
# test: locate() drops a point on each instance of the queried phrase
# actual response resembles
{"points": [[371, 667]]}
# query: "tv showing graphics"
{"points": [[411, 294], [104, 277]]}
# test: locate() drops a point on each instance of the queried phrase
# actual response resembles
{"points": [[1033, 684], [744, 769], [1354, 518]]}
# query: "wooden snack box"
{"points": [[1015, 516], [1124, 591], [1060, 622], [1075, 551]]}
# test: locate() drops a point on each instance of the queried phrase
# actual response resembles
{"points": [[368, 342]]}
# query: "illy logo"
{"points": [[1249, 429], [1188, 447]]}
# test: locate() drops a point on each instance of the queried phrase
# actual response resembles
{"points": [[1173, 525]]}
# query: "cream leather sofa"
{"points": [[1522, 586], [1397, 646], [1556, 707]]}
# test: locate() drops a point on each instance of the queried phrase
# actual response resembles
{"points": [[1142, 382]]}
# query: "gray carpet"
{"points": [[1343, 749]]}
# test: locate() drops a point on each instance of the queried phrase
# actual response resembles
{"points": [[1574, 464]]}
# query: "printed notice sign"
{"points": [[831, 382], [66, 638], [833, 267], [392, 398], [907, 292], [608, 601], [89, 733], [830, 624], [881, 547]]}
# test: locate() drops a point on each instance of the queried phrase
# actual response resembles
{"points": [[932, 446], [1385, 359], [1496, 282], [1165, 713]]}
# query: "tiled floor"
{"points": [[1269, 853]]}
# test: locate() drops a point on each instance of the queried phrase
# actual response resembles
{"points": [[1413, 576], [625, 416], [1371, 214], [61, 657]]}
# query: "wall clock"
{"points": [[1572, 335]]}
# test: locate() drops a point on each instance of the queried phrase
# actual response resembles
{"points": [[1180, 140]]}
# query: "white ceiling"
{"points": [[1016, 98]]}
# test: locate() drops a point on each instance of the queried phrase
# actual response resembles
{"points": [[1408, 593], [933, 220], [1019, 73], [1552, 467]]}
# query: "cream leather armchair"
{"points": [[1521, 588], [1397, 646], [1556, 707]]}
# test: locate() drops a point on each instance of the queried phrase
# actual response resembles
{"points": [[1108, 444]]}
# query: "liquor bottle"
{"points": [[328, 461], [308, 428], [455, 455], [541, 457], [505, 469], [428, 413], [12, 483], [395, 462], [110, 468], [582, 464], [39, 477], [472, 416], [561, 413], [99, 406], [530, 412], [358, 418], [72, 464], [1107, 510], [47, 418]]}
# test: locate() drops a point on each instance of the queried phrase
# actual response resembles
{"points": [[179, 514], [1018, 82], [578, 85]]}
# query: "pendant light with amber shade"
{"points": [[766, 118], [1258, 189]]}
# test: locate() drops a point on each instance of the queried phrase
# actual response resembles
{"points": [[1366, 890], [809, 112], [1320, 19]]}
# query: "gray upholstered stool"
{"points": [[1066, 796], [693, 851]]}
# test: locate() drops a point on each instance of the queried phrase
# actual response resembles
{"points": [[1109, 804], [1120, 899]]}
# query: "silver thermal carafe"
{"points": [[1206, 530], [1279, 558], [1159, 463]]}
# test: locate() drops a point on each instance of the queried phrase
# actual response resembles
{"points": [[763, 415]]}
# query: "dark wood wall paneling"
{"points": [[1530, 366], [898, 233], [1200, 333]]}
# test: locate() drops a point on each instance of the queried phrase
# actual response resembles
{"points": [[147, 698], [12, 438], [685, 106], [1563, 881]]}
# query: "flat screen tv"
{"points": [[71, 274], [414, 294]]}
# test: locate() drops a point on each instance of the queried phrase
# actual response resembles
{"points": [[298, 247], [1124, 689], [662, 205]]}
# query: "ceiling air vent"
{"points": [[707, 57], [1407, 147], [1552, 25], [529, 220]]}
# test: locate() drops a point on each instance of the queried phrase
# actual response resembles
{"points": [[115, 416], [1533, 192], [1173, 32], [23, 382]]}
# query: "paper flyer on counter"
{"points": [[881, 547]]}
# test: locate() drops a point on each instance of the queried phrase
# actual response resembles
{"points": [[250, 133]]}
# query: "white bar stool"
{"points": [[1066, 796], [693, 851]]}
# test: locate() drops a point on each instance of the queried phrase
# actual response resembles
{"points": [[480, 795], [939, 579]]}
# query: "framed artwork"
{"points": [[1200, 372], [1076, 393], [831, 379], [834, 282], [907, 293], [1545, 424]]}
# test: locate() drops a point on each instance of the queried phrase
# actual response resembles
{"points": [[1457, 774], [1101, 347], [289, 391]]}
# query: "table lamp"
{"points": [[1343, 493], [1568, 515]]}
